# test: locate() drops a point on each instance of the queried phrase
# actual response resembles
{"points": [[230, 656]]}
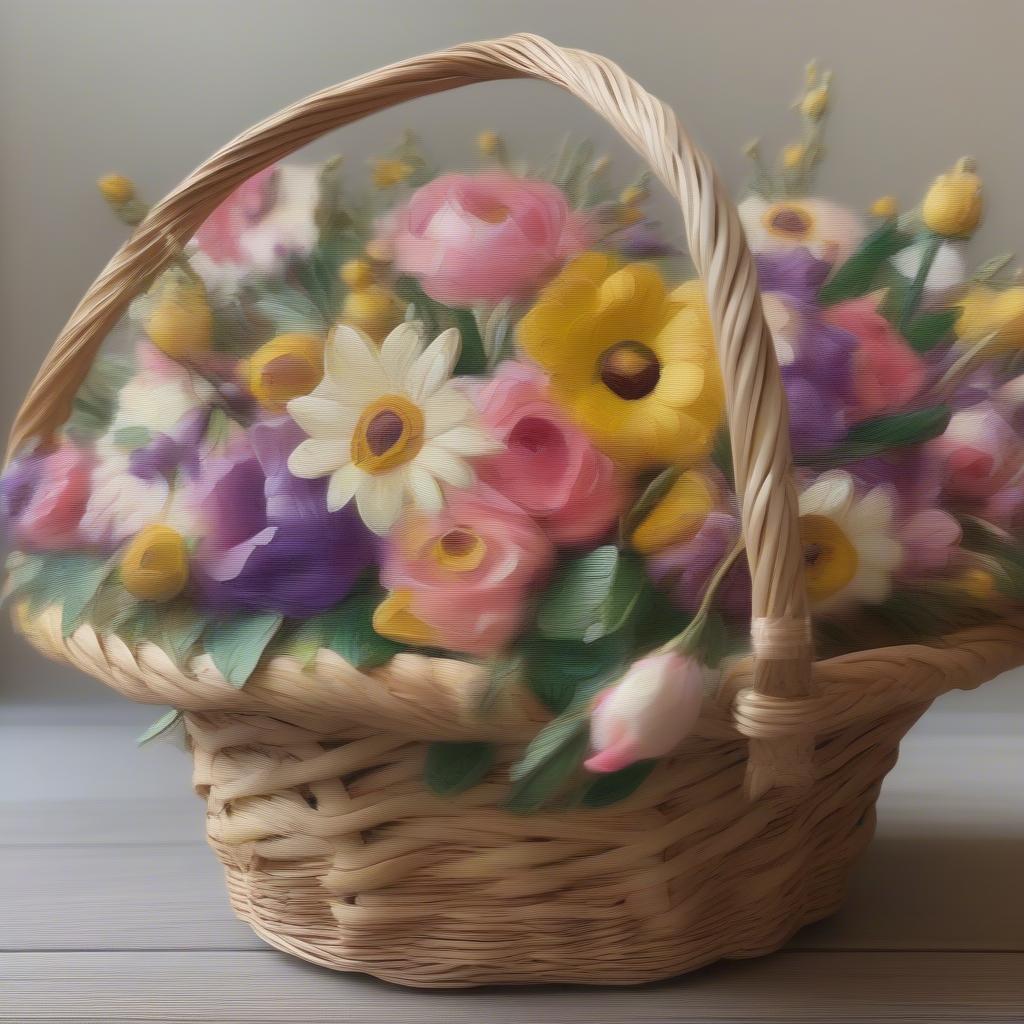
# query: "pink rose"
{"points": [[484, 237], [44, 498], [929, 539], [461, 579], [887, 372], [979, 453], [549, 468], [220, 234]]}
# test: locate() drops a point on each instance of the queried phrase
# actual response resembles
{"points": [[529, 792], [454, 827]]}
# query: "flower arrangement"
{"points": [[480, 414]]}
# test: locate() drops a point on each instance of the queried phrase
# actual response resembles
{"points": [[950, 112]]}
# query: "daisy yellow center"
{"points": [[630, 370], [459, 550], [389, 434], [787, 220], [830, 560]]}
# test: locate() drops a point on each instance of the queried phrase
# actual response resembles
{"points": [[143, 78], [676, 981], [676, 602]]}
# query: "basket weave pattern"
{"points": [[334, 849]]}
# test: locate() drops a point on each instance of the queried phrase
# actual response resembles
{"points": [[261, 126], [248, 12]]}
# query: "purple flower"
{"points": [[165, 454], [270, 542], [643, 241]]}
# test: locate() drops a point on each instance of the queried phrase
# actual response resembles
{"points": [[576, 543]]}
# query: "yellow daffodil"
{"points": [[633, 364], [373, 309], [154, 565], [284, 368], [987, 312], [952, 206], [678, 516], [390, 171], [180, 322], [116, 189]]}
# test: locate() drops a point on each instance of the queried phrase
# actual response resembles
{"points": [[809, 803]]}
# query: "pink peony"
{"points": [[887, 372], [979, 453], [220, 235], [45, 498], [461, 579], [484, 237], [549, 468]]}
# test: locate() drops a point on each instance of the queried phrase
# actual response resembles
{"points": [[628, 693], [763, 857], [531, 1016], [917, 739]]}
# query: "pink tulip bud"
{"points": [[648, 713]]}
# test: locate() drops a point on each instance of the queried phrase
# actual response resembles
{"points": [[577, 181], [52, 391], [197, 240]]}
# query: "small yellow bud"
{"points": [[633, 194], [627, 215], [952, 206], [389, 172], [985, 312], [885, 207], [357, 273], [286, 367], [979, 584], [489, 143], [373, 309], [116, 189], [154, 565], [815, 103], [678, 516], [793, 156], [811, 74], [180, 324], [380, 251]]}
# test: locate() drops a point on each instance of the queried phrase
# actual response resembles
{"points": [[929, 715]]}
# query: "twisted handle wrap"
{"points": [[754, 397]]}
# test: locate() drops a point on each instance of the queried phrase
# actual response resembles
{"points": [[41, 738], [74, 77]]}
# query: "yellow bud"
{"points": [[373, 309], [811, 73], [633, 194], [979, 584], [394, 618], [380, 251], [884, 206], [815, 103], [180, 324], [601, 164], [389, 172], [627, 215], [154, 565], [792, 156], [678, 516], [116, 189], [357, 273], [952, 206], [986, 311], [284, 368], [489, 143]]}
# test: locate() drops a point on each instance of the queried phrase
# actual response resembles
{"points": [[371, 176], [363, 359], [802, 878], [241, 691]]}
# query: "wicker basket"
{"points": [[333, 848]]}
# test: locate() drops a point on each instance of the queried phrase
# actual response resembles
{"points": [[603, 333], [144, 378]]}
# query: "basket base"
{"points": [[344, 870]]}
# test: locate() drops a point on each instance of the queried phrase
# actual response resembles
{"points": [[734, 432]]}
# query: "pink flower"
{"points": [[647, 714], [484, 237], [979, 453], [44, 498], [461, 579], [220, 234], [929, 539], [549, 468], [887, 372]]}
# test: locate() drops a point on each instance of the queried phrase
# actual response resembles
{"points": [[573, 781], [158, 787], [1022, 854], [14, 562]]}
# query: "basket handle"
{"points": [[755, 400]]}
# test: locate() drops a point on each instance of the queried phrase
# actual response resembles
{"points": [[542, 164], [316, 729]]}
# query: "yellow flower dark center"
{"points": [[789, 221], [830, 560], [460, 550], [388, 435], [630, 370]]}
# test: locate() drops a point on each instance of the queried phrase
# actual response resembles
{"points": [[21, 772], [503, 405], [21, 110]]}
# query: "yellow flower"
{"points": [[180, 323], [792, 156], [394, 618], [116, 189], [284, 368], [635, 366], [489, 143], [357, 273], [633, 194], [885, 207], [952, 206], [154, 566], [389, 172], [986, 311], [678, 516], [373, 309], [815, 103]]}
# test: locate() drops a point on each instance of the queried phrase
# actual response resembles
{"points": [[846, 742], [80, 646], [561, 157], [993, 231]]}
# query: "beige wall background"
{"points": [[151, 88]]}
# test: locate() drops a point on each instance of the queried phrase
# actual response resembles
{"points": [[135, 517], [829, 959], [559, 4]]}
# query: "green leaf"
{"points": [[721, 456], [595, 596], [288, 309], [70, 580], [454, 767], [652, 495], [181, 626], [558, 671], [112, 606], [616, 786], [883, 434], [857, 275], [141, 625], [927, 330], [96, 399], [538, 787], [237, 644], [319, 274], [22, 572], [132, 437], [556, 735], [427, 310], [472, 358], [161, 727], [348, 631]]}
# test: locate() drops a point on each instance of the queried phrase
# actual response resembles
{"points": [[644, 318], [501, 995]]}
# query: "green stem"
{"points": [[910, 303], [948, 382]]}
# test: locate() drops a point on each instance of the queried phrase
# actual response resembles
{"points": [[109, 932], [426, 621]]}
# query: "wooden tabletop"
{"points": [[113, 909]]}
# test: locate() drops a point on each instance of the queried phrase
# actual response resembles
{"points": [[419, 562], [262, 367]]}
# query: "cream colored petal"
{"points": [[380, 500], [434, 367], [445, 409], [400, 350], [880, 553], [352, 365], [343, 486], [873, 514], [871, 586], [315, 458], [467, 440], [831, 495], [425, 490], [446, 466], [322, 417]]}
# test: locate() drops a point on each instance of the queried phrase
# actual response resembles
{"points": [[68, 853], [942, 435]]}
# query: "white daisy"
{"points": [[850, 552], [947, 274], [386, 424], [826, 230]]}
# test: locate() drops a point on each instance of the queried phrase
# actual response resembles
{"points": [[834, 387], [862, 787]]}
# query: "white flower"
{"points": [[948, 270], [648, 713], [784, 324], [385, 424], [850, 550], [827, 231]]}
